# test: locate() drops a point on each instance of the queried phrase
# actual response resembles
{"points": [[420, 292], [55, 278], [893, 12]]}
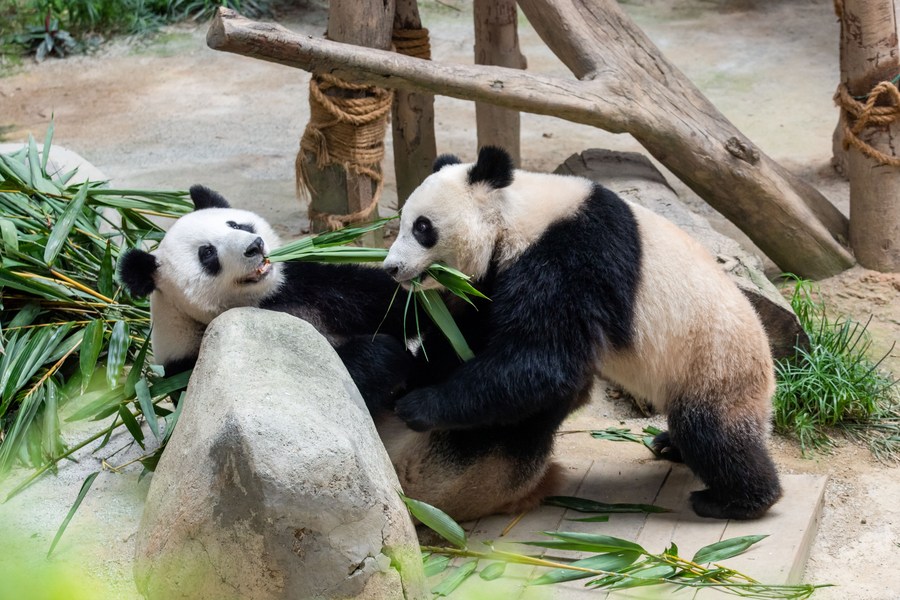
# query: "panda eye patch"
{"points": [[209, 259], [424, 232], [248, 227]]}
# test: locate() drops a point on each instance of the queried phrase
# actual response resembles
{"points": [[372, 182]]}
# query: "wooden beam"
{"points": [[686, 134], [413, 120], [497, 43]]}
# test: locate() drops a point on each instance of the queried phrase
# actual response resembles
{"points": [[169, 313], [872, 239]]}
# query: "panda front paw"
{"points": [[416, 409]]}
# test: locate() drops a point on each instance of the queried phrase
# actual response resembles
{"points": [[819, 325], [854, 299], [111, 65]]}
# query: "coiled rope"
{"points": [[347, 126], [880, 108], [346, 131]]}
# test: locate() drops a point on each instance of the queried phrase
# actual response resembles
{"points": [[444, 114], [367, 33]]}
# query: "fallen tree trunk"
{"points": [[684, 132]]}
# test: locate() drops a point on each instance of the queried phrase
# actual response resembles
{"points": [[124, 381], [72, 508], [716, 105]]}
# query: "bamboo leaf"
{"points": [[726, 549], [101, 405], [85, 488], [595, 519], [107, 271], [91, 344], [63, 227], [25, 316], [436, 564], [10, 235], [586, 505], [455, 579], [597, 542], [142, 391], [48, 138], [650, 575], [436, 520], [612, 561], [437, 311], [51, 440], [137, 367], [493, 571], [131, 424], [117, 352]]}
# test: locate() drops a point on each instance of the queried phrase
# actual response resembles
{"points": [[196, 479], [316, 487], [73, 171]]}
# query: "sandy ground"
{"points": [[170, 113]]}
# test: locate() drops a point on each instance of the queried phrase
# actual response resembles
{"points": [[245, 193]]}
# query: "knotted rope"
{"points": [[412, 42], [346, 131], [856, 115]]}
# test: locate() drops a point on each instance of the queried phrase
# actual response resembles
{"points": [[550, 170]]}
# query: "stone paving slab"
{"points": [[779, 559]]}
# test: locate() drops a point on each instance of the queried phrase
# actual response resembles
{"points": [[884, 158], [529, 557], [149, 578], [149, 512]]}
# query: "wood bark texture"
{"points": [[334, 189], [870, 55], [497, 43], [412, 121], [626, 87]]}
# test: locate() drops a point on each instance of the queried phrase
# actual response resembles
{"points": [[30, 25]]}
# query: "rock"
{"points": [[275, 483], [633, 176]]}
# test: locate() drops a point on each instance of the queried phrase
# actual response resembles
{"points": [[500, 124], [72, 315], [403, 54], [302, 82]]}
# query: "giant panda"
{"points": [[580, 283], [215, 258]]}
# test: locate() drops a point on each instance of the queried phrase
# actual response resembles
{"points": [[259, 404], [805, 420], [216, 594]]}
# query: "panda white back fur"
{"points": [[214, 259], [582, 282]]}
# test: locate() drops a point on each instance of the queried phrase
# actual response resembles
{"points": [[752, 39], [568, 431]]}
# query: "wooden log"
{"points": [[870, 54], [702, 148], [413, 121], [333, 189], [497, 43], [633, 176]]}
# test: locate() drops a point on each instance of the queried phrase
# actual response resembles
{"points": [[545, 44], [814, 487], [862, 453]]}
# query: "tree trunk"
{"points": [[413, 120], [636, 92], [869, 56], [333, 189], [497, 43]]}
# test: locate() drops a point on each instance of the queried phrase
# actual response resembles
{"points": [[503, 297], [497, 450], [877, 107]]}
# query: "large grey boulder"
{"points": [[275, 484], [635, 178]]}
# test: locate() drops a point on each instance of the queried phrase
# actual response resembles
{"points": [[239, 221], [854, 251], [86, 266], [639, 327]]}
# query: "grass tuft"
{"points": [[833, 386]]}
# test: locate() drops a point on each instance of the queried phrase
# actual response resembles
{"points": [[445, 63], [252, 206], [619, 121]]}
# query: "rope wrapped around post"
{"points": [[345, 128], [856, 115], [412, 42]]}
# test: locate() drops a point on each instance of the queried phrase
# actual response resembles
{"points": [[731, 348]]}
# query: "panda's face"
{"points": [[215, 259], [453, 217]]}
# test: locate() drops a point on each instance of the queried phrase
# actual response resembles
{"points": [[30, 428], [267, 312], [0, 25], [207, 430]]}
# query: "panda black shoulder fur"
{"points": [[214, 259], [582, 283]]}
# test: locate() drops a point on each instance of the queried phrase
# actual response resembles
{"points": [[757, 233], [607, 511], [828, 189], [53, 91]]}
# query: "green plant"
{"points": [[62, 314], [43, 27], [614, 564], [833, 385]]}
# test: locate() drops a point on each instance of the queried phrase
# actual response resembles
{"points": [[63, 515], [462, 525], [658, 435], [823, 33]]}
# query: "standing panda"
{"points": [[214, 259], [583, 283]]}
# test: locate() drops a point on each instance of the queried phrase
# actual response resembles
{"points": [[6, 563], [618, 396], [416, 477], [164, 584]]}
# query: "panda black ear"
{"points": [[443, 160], [136, 271], [204, 197], [493, 167]]}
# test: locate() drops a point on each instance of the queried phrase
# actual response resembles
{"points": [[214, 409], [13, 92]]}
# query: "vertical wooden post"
{"points": [[333, 189], [870, 55], [497, 43], [413, 117]]}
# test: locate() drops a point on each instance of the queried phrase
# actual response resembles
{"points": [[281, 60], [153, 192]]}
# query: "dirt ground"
{"points": [[169, 113]]}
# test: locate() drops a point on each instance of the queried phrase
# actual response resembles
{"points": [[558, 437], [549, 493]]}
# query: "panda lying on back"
{"points": [[582, 282], [214, 259]]}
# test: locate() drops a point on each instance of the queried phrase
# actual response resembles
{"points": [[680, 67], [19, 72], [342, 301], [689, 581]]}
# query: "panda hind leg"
{"points": [[663, 447], [729, 454]]}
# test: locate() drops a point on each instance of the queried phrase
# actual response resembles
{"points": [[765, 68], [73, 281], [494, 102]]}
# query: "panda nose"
{"points": [[392, 270], [255, 248]]}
